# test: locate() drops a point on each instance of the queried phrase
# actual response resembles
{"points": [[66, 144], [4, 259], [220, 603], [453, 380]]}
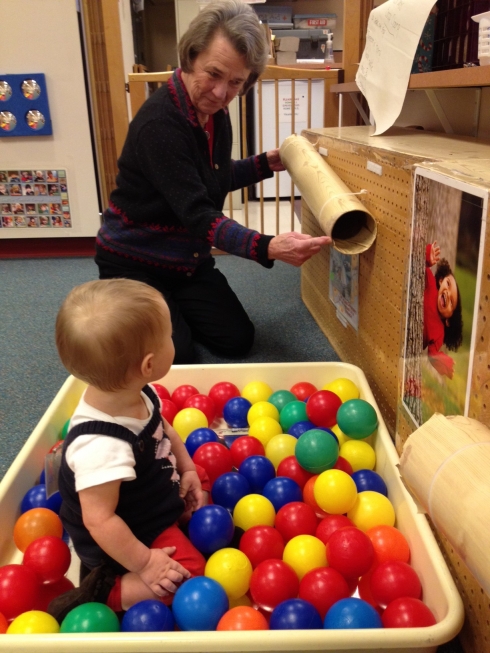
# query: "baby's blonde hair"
{"points": [[104, 329]]}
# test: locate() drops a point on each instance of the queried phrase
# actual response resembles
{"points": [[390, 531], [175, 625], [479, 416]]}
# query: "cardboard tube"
{"points": [[339, 212]]}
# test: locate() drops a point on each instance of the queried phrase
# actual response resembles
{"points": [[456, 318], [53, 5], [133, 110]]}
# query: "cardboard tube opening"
{"points": [[354, 232]]}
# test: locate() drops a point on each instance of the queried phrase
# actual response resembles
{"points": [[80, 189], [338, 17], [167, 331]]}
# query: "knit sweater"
{"points": [[167, 208]]}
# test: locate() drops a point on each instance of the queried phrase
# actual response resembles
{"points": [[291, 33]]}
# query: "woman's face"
{"points": [[447, 296], [218, 76]]}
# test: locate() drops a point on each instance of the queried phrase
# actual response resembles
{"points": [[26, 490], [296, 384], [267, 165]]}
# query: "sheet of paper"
{"points": [[393, 33]]}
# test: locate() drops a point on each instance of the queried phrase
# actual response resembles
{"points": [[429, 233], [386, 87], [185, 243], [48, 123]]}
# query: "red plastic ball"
{"points": [[364, 588], [407, 612], [161, 390], [19, 590], [394, 580], [350, 552], [296, 518], [49, 557], [344, 466], [220, 393], [331, 523], [389, 544], [309, 497], [322, 408], [323, 587], [181, 393], [244, 447], [303, 390], [4, 624], [215, 458], [57, 445], [291, 468], [50, 591], [168, 410], [272, 582], [204, 404], [261, 543]]}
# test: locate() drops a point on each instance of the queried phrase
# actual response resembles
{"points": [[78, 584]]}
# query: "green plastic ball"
{"points": [[90, 618], [294, 411], [64, 430], [357, 419], [280, 398], [316, 451]]}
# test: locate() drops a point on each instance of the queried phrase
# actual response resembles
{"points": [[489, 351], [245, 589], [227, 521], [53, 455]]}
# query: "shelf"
{"points": [[457, 77]]}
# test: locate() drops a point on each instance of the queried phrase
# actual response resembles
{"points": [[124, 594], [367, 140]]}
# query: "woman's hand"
{"points": [[295, 248], [274, 161]]}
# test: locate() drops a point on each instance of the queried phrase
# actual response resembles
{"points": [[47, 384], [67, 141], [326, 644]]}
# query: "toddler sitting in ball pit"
{"points": [[125, 477]]}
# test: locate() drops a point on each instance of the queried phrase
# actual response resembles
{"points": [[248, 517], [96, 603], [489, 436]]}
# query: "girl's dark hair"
{"points": [[453, 326]]}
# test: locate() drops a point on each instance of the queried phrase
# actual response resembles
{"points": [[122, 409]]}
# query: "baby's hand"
{"points": [[435, 253], [161, 573], [191, 491]]}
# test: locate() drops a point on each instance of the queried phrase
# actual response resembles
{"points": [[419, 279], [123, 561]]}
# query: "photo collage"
{"points": [[34, 199]]}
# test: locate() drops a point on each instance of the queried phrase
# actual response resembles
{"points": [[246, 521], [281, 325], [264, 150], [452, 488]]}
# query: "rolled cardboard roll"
{"points": [[445, 465], [339, 212]]}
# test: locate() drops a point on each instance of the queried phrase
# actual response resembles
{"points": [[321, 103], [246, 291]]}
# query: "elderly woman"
{"points": [[175, 172]]}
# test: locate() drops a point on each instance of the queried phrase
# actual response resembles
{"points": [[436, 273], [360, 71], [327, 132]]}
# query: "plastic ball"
{"points": [[394, 580], [262, 543], [323, 587], [211, 528], [214, 457], [235, 412], [168, 410], [244, 600], [359, 454], [188, 420], [309, 497], [316, 451], [296, 518], [220, 393], [243, 618], [329, 524], [352, 613], [253, 510], [65, 429], [258, 470], [50, 591], [244, 447], [231, 569], [341, 437], [49, 557], [291, 468], [294, 411], [295, 614], [4, 624], [262, 409], [367, 479], [33, 622], [148, 616], [371, 509], [36, 523], [344, 388], [161, 390], [343, 465], [322, 408], [199, 604], [357, 418], [407, 612], [279, 447], [272, 582], [335, 491], [19, 590], [280, 398], [90, 618], [281, 491], [181, 393], [256, 391], [350, 552], [389, 544], [264, 429], [36, 498], [228, 489], [203, 403], [304, 553], [298, 428], [303, 390], [198, 437]]}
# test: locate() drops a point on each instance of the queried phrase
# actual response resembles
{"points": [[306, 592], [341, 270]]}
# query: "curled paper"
{"points": [[339, 212]]}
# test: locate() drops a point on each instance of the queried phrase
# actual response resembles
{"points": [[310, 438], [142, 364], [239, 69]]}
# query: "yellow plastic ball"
{"points": [[264, 429], [231, 569], [256, 391], [280, 447], [343, 388], [32, 623], [262, 409], [189, 419], [253, 510], [341, 436], [335, 491], [359, 454], [304, 553], [241, 601], [372, 509]]}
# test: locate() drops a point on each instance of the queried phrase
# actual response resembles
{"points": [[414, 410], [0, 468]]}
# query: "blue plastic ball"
{"points": [[211, 528], [42, 478], [367, 479], [327, 430], [282, 490], [199, 604], [36, 498], [295, 614], [198, 437], [352, 613], [235, 412], [298, 428], [148, 616], [228, 489], [258, 470]]}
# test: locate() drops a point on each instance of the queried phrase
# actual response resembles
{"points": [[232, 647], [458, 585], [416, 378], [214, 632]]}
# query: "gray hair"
{"points": [[237, 22]]}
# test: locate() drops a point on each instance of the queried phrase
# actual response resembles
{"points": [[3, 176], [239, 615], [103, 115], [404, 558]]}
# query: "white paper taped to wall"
{"points": [[393, 33]]}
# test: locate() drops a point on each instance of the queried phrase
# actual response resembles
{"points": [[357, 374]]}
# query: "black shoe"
{"points": [[96, 586]]}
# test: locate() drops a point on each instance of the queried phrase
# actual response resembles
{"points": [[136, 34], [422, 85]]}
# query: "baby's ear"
{"points": [[147, 365]]}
